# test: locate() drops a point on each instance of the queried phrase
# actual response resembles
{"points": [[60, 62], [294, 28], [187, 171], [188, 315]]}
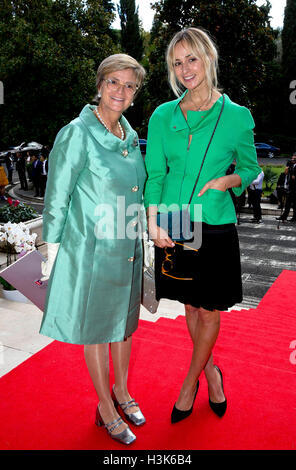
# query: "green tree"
{"points": [[132, 43], [131, 39], [289, 67], [289, 40], [241, 31], [49, 53]]}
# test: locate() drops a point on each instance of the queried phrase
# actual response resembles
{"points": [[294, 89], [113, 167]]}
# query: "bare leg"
{"points": [[192, 321], [121, 352], [204, 332], [97, 360], [213, 378]]}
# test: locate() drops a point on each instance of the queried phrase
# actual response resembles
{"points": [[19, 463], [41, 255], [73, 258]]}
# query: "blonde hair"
{"points": [[202, 46], [116, 62]]}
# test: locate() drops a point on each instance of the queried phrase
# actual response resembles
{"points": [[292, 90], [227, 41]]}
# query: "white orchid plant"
{"points": [[15, 240]]}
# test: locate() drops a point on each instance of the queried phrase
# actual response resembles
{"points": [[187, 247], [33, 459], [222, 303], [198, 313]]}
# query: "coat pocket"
{"points": [[217, 207]]}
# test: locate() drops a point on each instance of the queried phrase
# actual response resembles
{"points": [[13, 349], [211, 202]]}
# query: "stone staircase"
{"points": [[265, 252]]}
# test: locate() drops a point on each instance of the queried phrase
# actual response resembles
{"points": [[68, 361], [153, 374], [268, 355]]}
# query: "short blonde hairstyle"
{"points": [[201, 46], [116, 62]]}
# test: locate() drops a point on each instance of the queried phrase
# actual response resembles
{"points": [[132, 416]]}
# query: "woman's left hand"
{"points": [[218, 183], [223, 183]]}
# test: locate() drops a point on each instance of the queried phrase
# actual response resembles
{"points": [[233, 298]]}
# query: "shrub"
{"points": [[270, 177], [16, 212]]}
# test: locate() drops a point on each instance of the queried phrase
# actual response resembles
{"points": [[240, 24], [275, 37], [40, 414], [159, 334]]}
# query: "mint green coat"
{"points": [[94, 290], [172, 167]]}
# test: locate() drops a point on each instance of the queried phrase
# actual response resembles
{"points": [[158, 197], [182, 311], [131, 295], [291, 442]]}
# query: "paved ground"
{"points": [[266, 250]]}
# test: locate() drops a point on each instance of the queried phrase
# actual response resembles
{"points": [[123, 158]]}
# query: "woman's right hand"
{"points": [[158, 235], [46, 266]]}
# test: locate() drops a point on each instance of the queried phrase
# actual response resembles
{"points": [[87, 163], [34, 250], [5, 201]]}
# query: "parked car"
{"points": [[143, 143], [266, 150], [23, 147], [31, 146]]}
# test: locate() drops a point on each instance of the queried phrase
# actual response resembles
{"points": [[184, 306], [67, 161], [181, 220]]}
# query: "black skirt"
{"points": [[211, 275]]}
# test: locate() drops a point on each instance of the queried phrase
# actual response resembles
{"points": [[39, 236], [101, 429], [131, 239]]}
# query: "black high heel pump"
{"points": [[178, 415], [219, 408]]}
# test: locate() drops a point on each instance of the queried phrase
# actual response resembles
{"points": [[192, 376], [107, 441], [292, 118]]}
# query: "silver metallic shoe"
{"points": [[137, 417], [125, 437]]}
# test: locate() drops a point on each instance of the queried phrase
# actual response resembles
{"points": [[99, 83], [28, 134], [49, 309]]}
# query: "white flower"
{"points": [[10, 239], [28, 247], [22, 226], [18, 236], [9, 226]]}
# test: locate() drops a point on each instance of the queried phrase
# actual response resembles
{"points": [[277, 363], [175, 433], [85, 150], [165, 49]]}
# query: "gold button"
{"points": [[124, 153], [131, 259], [135, 188]]}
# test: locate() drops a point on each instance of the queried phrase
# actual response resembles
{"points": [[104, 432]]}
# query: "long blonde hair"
{"points": [[203, 47]]}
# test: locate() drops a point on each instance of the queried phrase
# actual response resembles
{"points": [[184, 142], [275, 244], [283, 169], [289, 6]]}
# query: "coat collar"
{"points": [[194, 119], [178, 121], [105, 138]]}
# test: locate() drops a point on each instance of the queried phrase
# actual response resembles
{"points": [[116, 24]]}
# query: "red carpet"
{"points": [[48, 402]]}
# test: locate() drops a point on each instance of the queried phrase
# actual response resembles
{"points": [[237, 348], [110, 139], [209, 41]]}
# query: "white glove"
{"points": [[46, 266]]}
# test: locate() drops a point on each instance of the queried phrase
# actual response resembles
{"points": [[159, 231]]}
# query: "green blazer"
{"points": [[94, 188], [172, 166]]}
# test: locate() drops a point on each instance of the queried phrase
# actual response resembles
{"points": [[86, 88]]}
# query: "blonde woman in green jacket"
{"points": [[178, 134]]}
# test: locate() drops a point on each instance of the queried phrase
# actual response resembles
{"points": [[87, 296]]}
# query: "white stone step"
{"points": [[19, 333]]}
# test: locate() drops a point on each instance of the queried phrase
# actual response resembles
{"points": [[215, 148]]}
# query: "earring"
{"points": [[99, 94], [132, 104]]}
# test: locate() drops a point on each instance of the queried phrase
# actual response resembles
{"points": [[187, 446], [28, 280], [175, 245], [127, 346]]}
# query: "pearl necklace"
{"points": [[105, 125]]}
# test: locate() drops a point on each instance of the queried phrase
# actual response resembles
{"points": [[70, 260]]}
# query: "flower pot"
{"points": [[15, 296]]}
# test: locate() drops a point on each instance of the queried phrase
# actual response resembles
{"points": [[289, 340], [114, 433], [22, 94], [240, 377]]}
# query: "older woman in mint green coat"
{"points": [[91, 222], [94, 177]]}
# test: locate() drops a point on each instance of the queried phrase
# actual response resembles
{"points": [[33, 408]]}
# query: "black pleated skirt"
{"points": [[213, 273]]}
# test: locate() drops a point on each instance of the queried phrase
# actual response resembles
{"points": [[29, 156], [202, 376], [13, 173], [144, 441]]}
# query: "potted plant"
{"points": [[15, 240], [16, 211]]}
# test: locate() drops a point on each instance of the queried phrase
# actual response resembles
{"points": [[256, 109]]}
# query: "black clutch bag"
{"points": [[177, 224]]}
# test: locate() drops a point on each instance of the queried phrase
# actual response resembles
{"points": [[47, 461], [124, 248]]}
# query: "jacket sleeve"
{"points": [[66, 161], [245, 152], [155, 161]]}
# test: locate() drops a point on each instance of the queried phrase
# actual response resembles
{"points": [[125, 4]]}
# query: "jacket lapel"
{"points": [[104, 137]]}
